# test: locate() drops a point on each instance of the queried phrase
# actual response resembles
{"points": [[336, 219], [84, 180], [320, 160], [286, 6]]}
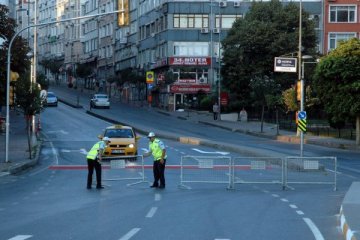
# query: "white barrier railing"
{"points": [[200, 169], [265, 170], [310, 170], [133, 169], [258, 170]]}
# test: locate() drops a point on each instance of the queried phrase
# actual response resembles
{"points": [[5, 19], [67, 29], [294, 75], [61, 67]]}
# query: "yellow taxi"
{"points": [[123, 141]]}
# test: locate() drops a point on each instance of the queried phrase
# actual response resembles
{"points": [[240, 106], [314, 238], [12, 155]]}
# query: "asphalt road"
{"points": [[51, 201]]}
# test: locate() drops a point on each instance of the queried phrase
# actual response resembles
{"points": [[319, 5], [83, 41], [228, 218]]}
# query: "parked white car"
{"points": [[100, 100], [51, 99]]}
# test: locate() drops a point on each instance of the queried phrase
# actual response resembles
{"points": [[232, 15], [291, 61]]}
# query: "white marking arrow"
{"points": [[82, 151], [201, 151]]}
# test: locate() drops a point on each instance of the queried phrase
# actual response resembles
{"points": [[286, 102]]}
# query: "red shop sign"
{"points": [[190, 88], [190, 61]]}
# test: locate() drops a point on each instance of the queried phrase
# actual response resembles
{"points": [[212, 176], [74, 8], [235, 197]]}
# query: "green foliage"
{"points": [[289, 99], [206, 103], [269, 29], [28, 100], [42, 80], [337, 81], [83, 70], [19, 61], [52, 65]]}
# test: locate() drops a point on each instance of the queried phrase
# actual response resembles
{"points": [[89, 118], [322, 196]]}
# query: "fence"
{"points": [[127, 169], [200, 169], [265, 170], [258, 170], [310, 170]]}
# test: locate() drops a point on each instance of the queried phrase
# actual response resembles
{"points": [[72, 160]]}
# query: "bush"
{"points": [[206, 103]]}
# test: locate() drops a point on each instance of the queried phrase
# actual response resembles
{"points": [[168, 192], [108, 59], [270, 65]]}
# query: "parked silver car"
{"points": [[100, 100]]}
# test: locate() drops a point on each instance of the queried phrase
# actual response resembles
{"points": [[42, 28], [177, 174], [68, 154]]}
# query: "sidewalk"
{"points": [[19, 156]]}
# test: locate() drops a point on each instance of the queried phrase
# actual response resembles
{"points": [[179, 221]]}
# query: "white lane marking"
{"points": [[130, 234], [183, 153], [293, 206], [274, 195], [157, 197], [15, 203], [200, 151], [284, 200], [265, 191], [59, 131], [152, 212], [300, 212], [222, 239], [21, 237], [314, 229]]}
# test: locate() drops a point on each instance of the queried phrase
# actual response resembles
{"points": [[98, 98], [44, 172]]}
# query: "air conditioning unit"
{"points": [[236, 4], [204, 30], [216, 30], [222, 4], [203, 80], [152, 35]]}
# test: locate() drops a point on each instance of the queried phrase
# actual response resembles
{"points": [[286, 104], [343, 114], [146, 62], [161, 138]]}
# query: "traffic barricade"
{"points": [[201, 169], [254, 170], [310, 170], [127, 168]]}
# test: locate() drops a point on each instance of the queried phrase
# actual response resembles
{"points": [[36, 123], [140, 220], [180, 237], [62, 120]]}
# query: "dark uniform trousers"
{"points": [[159, 173], [91, 165]]}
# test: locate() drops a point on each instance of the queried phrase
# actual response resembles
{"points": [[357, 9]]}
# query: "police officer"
{"points": [[94, 158], [157, 149]]}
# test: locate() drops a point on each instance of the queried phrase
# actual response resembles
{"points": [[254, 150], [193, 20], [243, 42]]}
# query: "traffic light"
{"points": [[11, 96], [13, 76], [123, 17], [298, 90]]}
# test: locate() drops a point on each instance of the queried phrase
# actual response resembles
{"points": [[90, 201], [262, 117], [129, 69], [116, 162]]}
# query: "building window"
{"points": [[194, 49], [226, 21], [191, 21], [342, 14], [334, 38]]}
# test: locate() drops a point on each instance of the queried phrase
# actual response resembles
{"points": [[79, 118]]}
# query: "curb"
{"points": [[345, 229]]}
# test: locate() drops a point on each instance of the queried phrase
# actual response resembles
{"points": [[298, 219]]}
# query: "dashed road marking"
{"points": [[152, 212], [314, 229], [284, 200], [274, 195], [130, 234], [21, 237], [157, 197], [300, 212], [293, 206]]}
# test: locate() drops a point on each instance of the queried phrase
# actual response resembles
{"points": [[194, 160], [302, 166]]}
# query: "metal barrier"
{"points": [[209, 169], [130, 168], [311, 170], [264, 170]]}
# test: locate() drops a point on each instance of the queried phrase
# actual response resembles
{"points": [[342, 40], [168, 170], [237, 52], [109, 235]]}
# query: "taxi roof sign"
{"points": [[285, 64]]}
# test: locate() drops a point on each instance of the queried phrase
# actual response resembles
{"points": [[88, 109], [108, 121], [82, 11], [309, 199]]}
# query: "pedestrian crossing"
{"points": [[20, 237]]}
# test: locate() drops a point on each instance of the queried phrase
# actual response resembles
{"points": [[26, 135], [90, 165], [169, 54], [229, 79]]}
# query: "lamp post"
{"points": [[9, 65], [300, 77]]}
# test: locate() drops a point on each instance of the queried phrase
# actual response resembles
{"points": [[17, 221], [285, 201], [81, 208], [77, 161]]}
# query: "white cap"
{"points": [[151, 134], [106, 139]]}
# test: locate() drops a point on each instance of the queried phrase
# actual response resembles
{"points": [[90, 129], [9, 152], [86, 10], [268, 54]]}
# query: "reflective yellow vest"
{"points": [[156, 150], [92, 154]]}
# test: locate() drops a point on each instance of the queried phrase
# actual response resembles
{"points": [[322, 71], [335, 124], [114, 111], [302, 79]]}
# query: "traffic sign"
{"points": [[302, 125], [302, 115], [282, 64], [149, 77]]}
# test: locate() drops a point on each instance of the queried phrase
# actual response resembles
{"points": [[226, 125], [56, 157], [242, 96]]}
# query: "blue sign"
{"points": [[302, 115], [150, 86]]}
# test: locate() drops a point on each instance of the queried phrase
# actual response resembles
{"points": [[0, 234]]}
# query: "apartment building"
{"points": [[341, 22]]}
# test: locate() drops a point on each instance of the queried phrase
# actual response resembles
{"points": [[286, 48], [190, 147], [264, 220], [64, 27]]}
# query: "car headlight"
{"points": [[131, 145]]}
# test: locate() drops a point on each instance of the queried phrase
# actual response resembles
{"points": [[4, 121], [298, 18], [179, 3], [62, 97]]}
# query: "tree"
{"points": [[337, 83], [83, 70], [19, 60], [53, 65], [29, 102], [269, 29]]}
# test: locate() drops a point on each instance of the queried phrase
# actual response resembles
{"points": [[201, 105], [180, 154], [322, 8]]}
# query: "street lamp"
{"points": [[9, 65]]}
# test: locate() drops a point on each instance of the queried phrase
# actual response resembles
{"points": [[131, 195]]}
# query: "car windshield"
{"points": [[50, 95], [119, 133]]}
